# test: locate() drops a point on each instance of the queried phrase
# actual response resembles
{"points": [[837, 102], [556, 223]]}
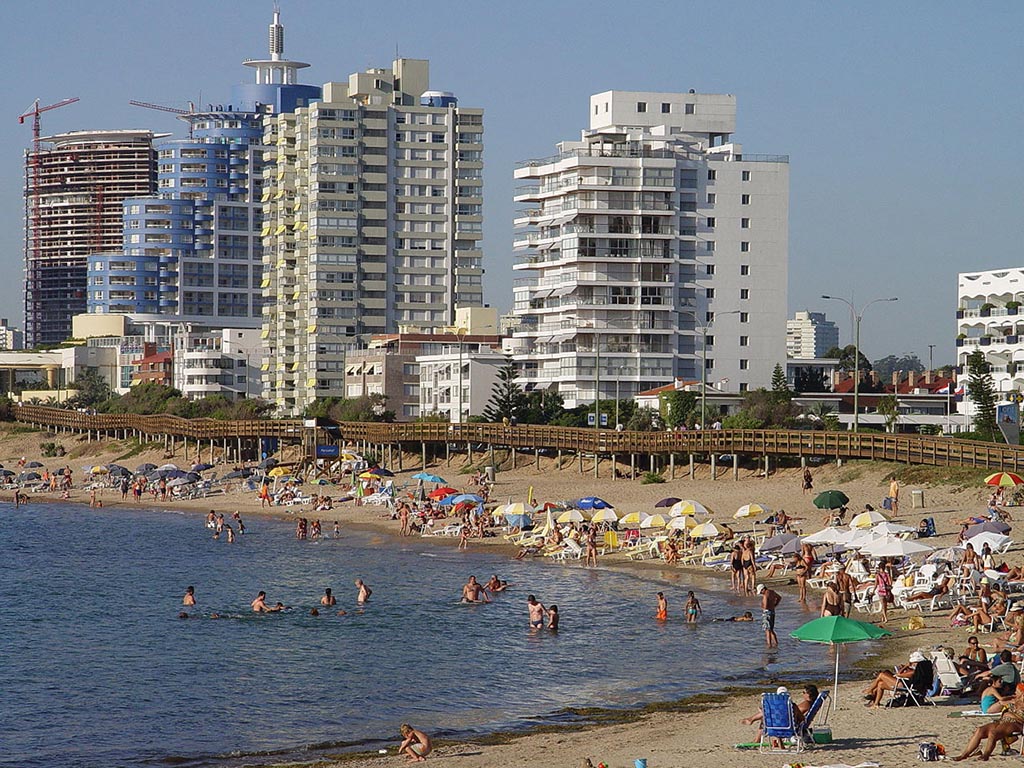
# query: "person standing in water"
{"points": [[190, 596], [328, 598], [363, 593], [536, 612], [770, 600], [692, 608], [662, 613]]}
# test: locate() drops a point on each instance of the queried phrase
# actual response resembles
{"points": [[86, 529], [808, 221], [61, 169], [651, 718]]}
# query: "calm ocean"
{"points": [[97, 670]]}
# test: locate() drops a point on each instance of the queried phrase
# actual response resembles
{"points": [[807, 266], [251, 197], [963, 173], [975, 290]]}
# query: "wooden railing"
{"points": [[911, 449]]}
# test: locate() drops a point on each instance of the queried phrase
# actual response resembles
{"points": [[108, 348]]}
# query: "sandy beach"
{"points": [[685, 735]]}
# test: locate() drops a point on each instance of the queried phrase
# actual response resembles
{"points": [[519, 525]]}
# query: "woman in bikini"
{"points": [[692, 608], [800, 569], [883, 588], [749, 567]]}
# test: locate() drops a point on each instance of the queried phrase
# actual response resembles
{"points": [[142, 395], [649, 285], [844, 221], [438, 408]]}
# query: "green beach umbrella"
{"points": [[831, 500], [837, 630]]}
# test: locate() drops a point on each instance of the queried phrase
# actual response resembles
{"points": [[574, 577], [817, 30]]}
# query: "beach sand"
{"points": [[706, 731]]}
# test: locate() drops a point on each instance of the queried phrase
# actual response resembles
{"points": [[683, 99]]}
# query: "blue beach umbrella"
{"points": [[463, 498], [591, 502], [519, 521], [428, 478]]}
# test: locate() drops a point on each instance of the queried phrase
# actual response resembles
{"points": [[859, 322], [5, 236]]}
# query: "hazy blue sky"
{"points": [[903, 121]]}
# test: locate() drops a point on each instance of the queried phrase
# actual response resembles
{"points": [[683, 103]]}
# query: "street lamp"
{"points": [[704, 326], [857, 317]]}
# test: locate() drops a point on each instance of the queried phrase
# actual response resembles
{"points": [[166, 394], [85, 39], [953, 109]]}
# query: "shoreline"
{"points": [[601, 726]]}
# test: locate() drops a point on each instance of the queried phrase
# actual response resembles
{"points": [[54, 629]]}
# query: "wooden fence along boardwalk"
{"points": [[644, 449]]}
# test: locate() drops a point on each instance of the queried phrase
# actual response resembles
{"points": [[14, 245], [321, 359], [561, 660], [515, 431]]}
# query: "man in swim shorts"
{"points": [[537, 611], [770, 600], [473, 592], [416, 745], [662, 613]]}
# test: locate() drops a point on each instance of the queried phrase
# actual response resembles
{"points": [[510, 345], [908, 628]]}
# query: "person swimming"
{"points": [[259, 605], [662, 612], [747, 616]]}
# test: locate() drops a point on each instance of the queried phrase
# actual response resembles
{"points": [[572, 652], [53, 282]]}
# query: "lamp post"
{"points": [[857, 317]]}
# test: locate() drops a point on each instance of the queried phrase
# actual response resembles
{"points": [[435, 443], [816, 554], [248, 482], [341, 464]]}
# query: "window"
{"points": [[709, 269], [712, 175], [641, 106], [709, 340], [744, 223], [666, 108], [744, 386], [689, 109], [744, 269], [744, 364], [709, 364], [744, 246], [744, 341], [711, 198], [595, 109], [709, 246], [709, 293], [709, 317], [744, 317], [744, 199], [745, 176], [744, 293], [711, 222]]}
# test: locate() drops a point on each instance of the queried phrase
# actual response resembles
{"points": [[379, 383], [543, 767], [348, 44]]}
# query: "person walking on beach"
{"points": [[883, 588], [416, 745], [894, 494], [662, 612], [692, 608], [403, 516], [125, 487], [770, 600], [190, 596], [808, 480], [363, 592], [592, 546], [536, 612]]}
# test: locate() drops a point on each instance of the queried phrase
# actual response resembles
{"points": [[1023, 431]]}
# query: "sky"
{"points": [[903, 121]]}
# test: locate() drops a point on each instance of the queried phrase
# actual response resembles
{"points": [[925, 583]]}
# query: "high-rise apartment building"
{"points": [[651, 247], [372, 222], [194, 253], [990, 318], [74, 186], [810, 335]]}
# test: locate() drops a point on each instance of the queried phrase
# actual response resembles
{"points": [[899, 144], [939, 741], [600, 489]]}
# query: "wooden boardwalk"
{"points": [[909, 449]]}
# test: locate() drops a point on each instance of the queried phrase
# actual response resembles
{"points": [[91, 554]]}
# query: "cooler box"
{"points": [[822, 735], [917, 499]]}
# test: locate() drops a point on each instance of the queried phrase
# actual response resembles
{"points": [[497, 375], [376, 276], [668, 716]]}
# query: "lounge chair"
{"points": [[570, 551], [779, 729], [905, 694], [950, 681]]}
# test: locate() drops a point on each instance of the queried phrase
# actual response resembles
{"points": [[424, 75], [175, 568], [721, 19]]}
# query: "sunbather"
{"points": [[1004, 730], [942, 588], [800, 708], [919, 674]]}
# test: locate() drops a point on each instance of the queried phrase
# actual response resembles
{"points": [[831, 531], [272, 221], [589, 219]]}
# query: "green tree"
{"points": [[779, 384], [891, 363], [677, 407], [888, 407], [766, 409], [643, 420], [542, 407], [981, 391], [91, 388], [846, 356], [824, 416], [508, 401]]}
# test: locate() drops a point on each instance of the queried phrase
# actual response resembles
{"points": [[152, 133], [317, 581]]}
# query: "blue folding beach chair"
{"points": [[779, 730], [806, 727]]}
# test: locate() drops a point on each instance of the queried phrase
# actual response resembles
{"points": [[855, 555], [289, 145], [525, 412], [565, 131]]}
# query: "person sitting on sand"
{"points": [[416, 745], [1004, 730], [973, 659], [800, 708], [919, 674]]}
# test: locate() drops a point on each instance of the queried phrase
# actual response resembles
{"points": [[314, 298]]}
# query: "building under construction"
{"points": [[74, 185]]}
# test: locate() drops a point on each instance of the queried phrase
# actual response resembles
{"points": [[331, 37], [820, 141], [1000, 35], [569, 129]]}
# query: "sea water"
{"points": [[96, 668]]}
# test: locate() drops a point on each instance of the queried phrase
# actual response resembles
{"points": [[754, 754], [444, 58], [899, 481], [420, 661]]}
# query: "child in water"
{"points": [[553, 618], [692, 608], [662, 614]]}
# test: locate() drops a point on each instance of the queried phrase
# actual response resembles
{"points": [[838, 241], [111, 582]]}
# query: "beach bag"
{"points": [[928, 752], [887, 502]]}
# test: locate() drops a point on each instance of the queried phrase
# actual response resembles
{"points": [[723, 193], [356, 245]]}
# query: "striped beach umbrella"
{"points": [[688, 507], [604, 516], [752, 510], [654, 521], [1004, 479]]}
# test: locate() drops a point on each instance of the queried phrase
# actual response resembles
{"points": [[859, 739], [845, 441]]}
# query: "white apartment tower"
{"points": [[810, 335], [373, 222], [651, 247], [990, 318]]}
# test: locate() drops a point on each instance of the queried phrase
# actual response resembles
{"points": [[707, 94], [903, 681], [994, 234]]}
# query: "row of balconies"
{"points": [[1012, 308]]}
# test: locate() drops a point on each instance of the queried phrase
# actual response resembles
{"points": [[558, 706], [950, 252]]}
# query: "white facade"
{"points": [[373, 221], [440, 382], [10, 338], [810, 335], [651, 237], [989, 318], [222, 362]]}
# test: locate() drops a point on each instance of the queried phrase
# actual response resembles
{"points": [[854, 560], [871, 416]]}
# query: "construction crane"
{"points": [[172, 110], [34, 163]]}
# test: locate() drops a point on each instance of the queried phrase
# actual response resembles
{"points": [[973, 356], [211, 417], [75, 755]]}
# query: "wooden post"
{"points": [[671, 466], [469, 454], [691, 466], [597, 463], [536, 454], [423, 453], [735, 466], [559, 466], [652, 463], [714, 469], [513, 452], [447, 453], [579, 453], [766, 466], [632, 466], [803, 461]]}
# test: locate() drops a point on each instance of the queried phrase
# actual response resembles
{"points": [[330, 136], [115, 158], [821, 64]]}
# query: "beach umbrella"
{"points": [[180, 481], [837, 630], [98, 470], [996, 541], [706, 530], [471, 498], [321, 481], [831, 535], [867, 519], [831, 500], [633, 518], [440, 493], [238, 473], [991, 526], [570, 516], [863, 538], [166, 467], [890, 547], [689, 507], [6, 473], [752, 510], [667, 501], [268, 463], [604, 516], [447, 501], [518, 508], [277, 472], [591, 502], [201, 467], [681, 523], [380, 472], [892, 529], [1001, 479], [33, 464], [26, 477], [518, 521], [116, 470], [144, 468], [654, 521], [428, 478], [778, 542], [362, 475]]}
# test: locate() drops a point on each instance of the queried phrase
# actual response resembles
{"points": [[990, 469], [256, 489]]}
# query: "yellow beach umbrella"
{"points": [[867, 519], [654, 521], [706, 530], [518, 508], [681, 523], [752, 510], [98, 470], [688, 507], [570, 516], [633, 518], [277, 472], [604, 516]]}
